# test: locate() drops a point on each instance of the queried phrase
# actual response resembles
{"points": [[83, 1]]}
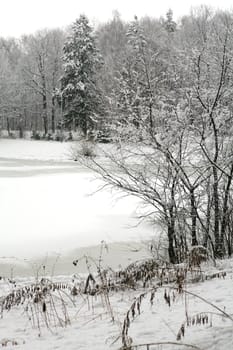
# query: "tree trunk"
{"points": [[8, 126], [225, 209], [53, 115], [208, 216], [171, 231], [151, 118], [20, 128], [218, 243], [229, 239], [45, 116], [193, 217], [85, 128], [171, 250]]}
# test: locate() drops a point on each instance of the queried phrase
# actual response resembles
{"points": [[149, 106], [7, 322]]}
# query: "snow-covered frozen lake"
{"points": [[48, 206]]}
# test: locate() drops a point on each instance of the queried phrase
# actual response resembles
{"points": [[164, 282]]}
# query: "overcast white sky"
{"points": [[19, 17]]}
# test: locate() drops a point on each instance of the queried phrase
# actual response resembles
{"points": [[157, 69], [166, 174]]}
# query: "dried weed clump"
{"points": [[44, 302], [151, 276], [11, 342], [171, 294], [197, 255]]}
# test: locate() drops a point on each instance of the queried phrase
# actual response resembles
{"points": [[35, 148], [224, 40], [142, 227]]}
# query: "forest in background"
{"points": [[135, 68]]}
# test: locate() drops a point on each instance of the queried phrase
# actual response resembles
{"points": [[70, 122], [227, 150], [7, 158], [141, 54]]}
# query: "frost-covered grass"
{"points": [[89, 319]]}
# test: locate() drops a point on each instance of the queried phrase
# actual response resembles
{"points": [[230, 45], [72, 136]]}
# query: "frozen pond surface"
{"points": [[48, 207]]}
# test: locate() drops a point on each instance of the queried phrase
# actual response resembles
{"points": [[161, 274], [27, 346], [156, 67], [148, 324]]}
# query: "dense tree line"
{"points": [[34, 72], [161, 91], [30, 73]]}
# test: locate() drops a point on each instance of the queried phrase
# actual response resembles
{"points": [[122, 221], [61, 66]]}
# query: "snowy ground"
{"points": [[48, 210], [91, 325], [49, 218]]}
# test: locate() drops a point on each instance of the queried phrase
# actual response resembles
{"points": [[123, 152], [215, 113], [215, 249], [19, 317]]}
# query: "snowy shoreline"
{"points": [[55, 264]]}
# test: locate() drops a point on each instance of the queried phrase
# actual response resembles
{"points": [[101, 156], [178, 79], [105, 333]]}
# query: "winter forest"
{"points": [[160, 91], [147, 107]]}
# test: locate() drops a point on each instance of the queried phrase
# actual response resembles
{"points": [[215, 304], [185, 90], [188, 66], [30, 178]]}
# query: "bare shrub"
{"points": [[197, 255], [83, 149]]}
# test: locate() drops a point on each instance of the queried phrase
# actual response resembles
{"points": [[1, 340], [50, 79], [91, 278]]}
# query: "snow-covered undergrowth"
{"points": [[161, 307]]}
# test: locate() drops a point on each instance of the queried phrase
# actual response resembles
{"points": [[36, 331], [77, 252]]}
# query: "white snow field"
{"points": [[48, 219], [48, 210]]}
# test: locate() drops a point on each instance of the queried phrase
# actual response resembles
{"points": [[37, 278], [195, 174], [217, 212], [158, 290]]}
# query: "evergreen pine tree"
{"points": [[80, 95]]}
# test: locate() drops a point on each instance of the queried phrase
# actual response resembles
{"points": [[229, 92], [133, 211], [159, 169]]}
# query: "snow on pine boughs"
{"points": [[80, 96]]}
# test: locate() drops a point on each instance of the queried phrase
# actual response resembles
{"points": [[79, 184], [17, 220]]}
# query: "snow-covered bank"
{"points": [[53, 264], [90, 324], [30, 149]]}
